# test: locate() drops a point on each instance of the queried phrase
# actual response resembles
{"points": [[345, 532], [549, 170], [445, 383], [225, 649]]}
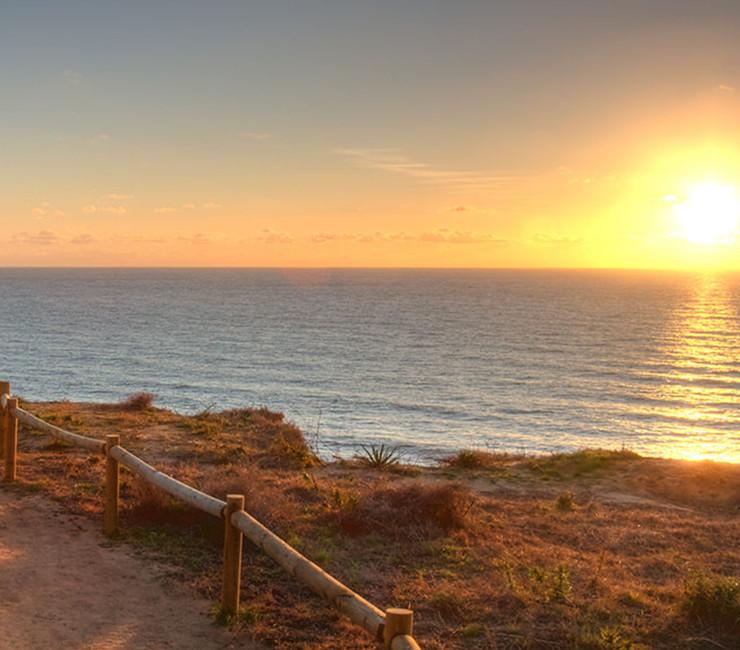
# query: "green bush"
{"points": [[715, 601]]}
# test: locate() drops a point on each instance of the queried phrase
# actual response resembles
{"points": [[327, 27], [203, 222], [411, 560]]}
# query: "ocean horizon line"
{"points": [[564, 269]]}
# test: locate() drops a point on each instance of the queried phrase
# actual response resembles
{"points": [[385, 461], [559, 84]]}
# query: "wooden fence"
{"points": [[392, 627]]}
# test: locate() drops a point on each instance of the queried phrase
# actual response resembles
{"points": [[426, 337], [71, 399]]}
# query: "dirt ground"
{"points": [[592, 550], [62, 587]]}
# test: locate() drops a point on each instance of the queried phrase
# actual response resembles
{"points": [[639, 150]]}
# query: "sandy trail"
{"points": [[60, 589]]}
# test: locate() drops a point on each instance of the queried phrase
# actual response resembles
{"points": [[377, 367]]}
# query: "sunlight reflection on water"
{"points": [[703, 339], [518, 361]]}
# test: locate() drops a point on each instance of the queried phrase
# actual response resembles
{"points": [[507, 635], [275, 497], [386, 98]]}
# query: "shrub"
{"points": [[473, 631], [151, 505], [448, 605], [553, 585], [138, 402], [606, 638], [289, 450], [476, 459], [565, 501], [415, 507], [268, 503], [714, 601], [560, 587], [205, 424], [283, 444]]}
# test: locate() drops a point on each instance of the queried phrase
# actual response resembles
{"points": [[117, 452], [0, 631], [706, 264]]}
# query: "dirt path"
{"points": [[60, 589]]}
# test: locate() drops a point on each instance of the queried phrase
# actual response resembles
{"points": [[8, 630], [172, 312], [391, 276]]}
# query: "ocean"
{"points": [[431, 360]]}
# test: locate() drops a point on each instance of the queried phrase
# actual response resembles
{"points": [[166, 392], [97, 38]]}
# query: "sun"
{"points": [[709, 214]]}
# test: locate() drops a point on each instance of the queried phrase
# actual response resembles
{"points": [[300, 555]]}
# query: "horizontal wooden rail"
{"points": [[182, 491], [76, 439], [394, 628], [354, 606]]}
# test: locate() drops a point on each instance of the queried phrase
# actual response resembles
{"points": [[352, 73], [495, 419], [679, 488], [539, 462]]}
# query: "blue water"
{"points": [[433, 360]]}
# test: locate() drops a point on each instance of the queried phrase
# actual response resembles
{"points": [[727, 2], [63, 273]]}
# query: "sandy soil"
{"points": [[61, 588]]}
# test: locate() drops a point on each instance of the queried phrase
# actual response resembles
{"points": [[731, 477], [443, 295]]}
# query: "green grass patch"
{"points": [[580, 463], [473, 631], [713, 601], [605, 638]]}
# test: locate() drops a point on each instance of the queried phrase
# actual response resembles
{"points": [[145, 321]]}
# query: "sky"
{"points": [[536, 133]]}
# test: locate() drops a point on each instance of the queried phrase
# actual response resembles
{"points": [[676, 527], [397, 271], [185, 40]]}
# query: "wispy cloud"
{"points": [[395, 162], [446, 236], [470, 210], [197, 239], [137, 239], [268, 236], [208, 205], [726, 88], [256, 136], [95, 208], [40, 238], [555, 240], [82, 239], [108, 204], [46, 209], [323, 237], [439, 236]]}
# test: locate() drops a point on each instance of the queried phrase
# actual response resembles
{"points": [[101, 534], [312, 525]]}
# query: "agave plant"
{"points": [[380, 456]]}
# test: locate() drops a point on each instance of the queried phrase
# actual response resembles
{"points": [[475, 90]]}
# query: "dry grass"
{"points": [[487, 560], [478, 459], [263, 436], [138, 402], [565, 501], [415, 508]]}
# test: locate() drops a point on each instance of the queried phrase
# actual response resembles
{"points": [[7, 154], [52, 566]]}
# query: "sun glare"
{"points": [[709, 214]]}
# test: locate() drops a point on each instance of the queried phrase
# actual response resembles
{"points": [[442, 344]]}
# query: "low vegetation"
{"points": [[595, 550], [477, 459], [415, 509], [581, 463], [714, 601], [138, 402], [565, 501], [380, 456]]}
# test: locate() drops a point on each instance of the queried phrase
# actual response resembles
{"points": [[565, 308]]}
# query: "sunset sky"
{"points": [[447, 134]]}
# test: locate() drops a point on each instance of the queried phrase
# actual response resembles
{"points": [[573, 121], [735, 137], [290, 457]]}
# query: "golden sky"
{"points": [[432, 134]]}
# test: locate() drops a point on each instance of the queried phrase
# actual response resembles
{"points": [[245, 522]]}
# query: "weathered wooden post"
{"points": [[233, 540], [4, 390], [397, 622], [112, 487], [11, 439]]}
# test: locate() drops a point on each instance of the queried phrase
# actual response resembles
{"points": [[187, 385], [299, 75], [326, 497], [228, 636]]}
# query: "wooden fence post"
{"points": [[397, 621], [112, 487], [11, 440], [233, 540], [4, 390]]}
